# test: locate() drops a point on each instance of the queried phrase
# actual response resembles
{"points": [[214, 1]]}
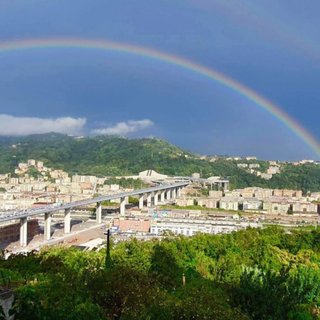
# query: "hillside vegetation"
{"points": [[249, 275], [112, 155]]}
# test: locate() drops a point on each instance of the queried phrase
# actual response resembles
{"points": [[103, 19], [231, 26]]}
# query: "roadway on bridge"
{"points": [[56, 207]]}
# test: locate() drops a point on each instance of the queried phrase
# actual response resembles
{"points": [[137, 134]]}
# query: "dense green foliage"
{"points": [[253, 274], [127, 183], [113, 156]]}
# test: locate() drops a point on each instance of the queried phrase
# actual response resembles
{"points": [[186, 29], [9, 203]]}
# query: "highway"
{"points": [[200, 180], [56, 207]]}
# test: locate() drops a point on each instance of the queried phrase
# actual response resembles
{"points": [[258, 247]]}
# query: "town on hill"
{"points": [[185, 229]]}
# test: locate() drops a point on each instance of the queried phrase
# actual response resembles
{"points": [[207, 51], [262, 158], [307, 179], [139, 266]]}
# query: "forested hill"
{"points": [[112, 155]]}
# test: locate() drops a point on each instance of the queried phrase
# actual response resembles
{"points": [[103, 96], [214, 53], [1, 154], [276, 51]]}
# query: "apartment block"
{"points": [[212, 203], [215, 194], [252, 204], [184, 202], [242, 165], [305, 207], [276, 207], [31, 162], [273, 170], [132, 224], [230, 203]]}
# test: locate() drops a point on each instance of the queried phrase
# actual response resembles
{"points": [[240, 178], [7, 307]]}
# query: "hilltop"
{"points": [[113, 155]]}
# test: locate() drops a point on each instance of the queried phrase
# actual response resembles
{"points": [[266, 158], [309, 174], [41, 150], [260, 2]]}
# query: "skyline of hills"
{"points": [[115, 156]]}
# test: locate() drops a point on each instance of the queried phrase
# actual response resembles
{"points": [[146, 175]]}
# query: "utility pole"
{"points": [[108, 258]]}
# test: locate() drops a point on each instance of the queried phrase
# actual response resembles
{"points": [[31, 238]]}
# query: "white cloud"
{"points": [[21, 126], [123, 128]]}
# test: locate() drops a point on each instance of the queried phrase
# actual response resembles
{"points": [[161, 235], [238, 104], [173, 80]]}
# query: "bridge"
{"points": [[165, 191], [222, 183]]}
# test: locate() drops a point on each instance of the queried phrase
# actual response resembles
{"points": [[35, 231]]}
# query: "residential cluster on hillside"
{"points": [[205, 205], [50, 186], [221, 212], [258, 200], [253, 168]]}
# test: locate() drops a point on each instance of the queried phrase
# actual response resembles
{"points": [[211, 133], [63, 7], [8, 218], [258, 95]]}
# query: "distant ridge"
{"points": [[114, 156]]}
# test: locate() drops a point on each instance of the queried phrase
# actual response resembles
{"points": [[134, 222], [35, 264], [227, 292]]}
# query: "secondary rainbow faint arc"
{"points": [[172, 59]]}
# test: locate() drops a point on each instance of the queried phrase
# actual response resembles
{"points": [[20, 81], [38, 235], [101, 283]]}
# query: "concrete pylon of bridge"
{"points": [[99, 213], [67, 220], [141, 201], [162, 196], [174, 193], [149, 196], [156, 198], [23, 232], [123, 206], [127, 200], [168, 194], [179, 192], [47, 226]]}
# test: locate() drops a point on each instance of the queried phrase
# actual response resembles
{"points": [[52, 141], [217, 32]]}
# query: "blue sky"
{"points": [[272, 47]]}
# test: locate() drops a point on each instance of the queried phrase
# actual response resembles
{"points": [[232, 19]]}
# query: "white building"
{"points": [[39, 164], [266, 176], [151, 174], [230, 203], [189, 227], [215, 194], [252, 204], [26, 188], [242, 165], [23, 166], [90, 179], [31, 162], [273, 170]]}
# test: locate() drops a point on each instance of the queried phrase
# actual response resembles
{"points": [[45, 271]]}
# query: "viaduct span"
{"points": [[166, 192]]}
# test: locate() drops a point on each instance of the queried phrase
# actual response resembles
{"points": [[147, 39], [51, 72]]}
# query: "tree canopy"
{"points": [[257, 274]]}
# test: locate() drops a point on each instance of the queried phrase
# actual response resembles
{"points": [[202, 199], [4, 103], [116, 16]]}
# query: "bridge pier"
{"points": [[156, 198], [23, 232], [162, 191], [174, 193], [67, 220], [149, 195], [168, 194], [141, 202], [178, 192], [47, 226], [99, 213], [123, 206]]}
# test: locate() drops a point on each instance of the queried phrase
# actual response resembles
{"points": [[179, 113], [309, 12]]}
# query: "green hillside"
{"points": [[112, 155]]}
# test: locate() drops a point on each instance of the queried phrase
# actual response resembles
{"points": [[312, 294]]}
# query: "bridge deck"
{"points": [[56, 207]]}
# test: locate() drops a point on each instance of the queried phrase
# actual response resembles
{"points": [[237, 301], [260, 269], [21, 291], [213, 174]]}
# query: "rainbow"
{"points": [[244, 13], [281, 115]]}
